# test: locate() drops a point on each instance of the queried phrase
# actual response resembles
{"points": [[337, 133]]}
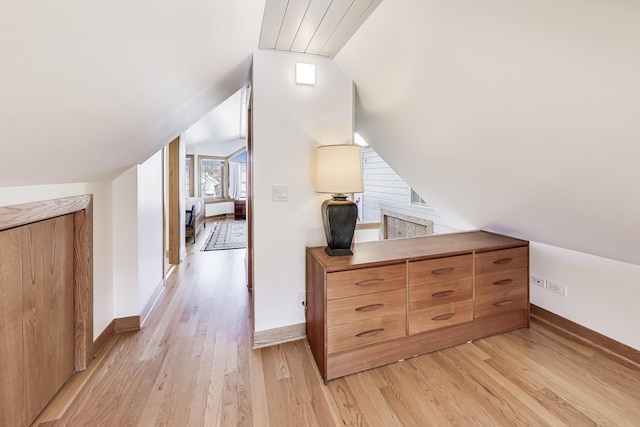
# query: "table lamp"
{"points": [[339, 171]]}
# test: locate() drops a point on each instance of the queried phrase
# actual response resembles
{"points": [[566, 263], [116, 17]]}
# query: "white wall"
{"points": [[290, 122], [102, 236], [125, 244], [138, 230], [602, 294], [220, 208], [520, 118], [150, 228]]}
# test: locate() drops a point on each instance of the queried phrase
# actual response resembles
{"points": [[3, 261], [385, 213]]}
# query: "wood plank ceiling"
{"points": [[315, 27]]}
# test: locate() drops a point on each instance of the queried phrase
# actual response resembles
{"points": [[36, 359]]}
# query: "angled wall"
{"points": [[289, 122]]}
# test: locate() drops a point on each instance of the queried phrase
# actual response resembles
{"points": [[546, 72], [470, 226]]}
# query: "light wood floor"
{"points": [[192, 365]]}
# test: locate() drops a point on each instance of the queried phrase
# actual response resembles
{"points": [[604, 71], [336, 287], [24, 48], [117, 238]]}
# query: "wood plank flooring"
{"points": [[192, 365]]}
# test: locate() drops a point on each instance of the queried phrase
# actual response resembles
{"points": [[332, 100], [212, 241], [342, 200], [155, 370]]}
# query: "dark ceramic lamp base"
{"points": [[339, 216]]}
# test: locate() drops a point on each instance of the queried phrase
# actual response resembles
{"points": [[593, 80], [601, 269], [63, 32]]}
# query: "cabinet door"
{"points": [[47, 305], [11, 350]]}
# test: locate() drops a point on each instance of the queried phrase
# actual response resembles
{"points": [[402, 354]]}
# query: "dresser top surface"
{"points": [[398, 250]]}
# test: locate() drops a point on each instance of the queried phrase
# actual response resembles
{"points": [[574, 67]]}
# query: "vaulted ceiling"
{"points": [[518, 117]]}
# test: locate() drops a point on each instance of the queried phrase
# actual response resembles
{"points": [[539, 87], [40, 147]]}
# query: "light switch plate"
{"points": [[280, 193]]}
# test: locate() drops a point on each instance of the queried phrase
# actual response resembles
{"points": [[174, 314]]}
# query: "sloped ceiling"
{"points": [[518, 117], [90, 88]]}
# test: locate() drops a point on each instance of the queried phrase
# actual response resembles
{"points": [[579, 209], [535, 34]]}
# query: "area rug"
{"points": [[227, 234]]}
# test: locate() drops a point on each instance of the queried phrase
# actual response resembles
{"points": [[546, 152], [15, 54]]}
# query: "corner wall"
{"points": [[289, 122]]}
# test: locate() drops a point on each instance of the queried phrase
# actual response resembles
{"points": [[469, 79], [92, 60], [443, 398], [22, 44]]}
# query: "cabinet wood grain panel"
{"points": [[11, 346], [440, 293], [365, 332], [366, 280], [363, 307], [440, 316], [507, 259], [47, 283], [441, 269]]}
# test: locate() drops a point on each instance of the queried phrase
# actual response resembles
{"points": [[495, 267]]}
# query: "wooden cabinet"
{"points": [[397, 299], [365, 306], [36, 316], [502, 281], [11, 347]]}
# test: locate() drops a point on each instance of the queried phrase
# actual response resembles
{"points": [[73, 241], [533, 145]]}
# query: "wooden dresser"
{"points": [[401, 298]]}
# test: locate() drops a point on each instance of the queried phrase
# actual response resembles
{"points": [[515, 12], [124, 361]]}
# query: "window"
{"points": [[188, 169], [238, 174], [213, 180], [243, 180], [416, 200]]}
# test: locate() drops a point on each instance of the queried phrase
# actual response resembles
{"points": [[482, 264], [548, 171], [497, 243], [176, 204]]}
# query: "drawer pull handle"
{"points": [[503, 282], [443, 270], [369, 282], [442, 294], [503, 303], [445, 316], [503, 261], [371, 333], [370, 307]]}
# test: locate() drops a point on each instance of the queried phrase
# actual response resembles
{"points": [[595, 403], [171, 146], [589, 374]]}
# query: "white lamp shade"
{"points": [[339, 169]]}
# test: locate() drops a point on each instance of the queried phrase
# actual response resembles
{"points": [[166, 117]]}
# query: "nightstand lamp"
{"points": [[339, 171]]}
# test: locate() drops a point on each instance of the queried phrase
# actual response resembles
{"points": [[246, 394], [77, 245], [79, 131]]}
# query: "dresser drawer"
{"points": [[440, 316], [365, 281], [365, 332], [441, 269], [502, 281], [489, 303], [363, 307], [506, 259], [440, 293]]}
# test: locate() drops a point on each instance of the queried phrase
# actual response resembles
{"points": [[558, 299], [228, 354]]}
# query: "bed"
{"points": [[195, 215]]}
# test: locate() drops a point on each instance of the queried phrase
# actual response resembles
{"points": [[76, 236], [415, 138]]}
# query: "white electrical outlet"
{"points": [[535, 280], [557, 288], [302, 299]]}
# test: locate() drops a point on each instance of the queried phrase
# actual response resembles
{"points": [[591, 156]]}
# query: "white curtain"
{"points": [[234, 180]]}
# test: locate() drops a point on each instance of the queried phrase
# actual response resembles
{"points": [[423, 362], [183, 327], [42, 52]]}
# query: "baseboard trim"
{"points": [[122, 324], [126, 324], [152, 301], [586, 335], [102, 339], [279, 335]]}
